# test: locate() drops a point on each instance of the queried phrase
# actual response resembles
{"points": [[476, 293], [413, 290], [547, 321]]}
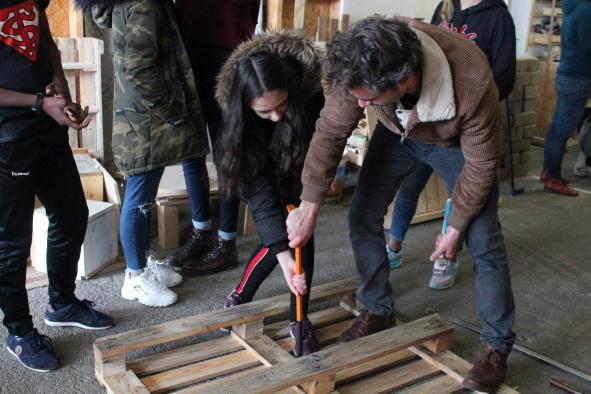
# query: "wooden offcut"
{"points": [[258, 359]]}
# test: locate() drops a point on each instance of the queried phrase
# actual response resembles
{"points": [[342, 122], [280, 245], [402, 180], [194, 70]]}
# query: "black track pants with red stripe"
{"points": [[262, 263]]}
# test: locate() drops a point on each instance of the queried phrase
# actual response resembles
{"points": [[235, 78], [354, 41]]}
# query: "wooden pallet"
{"points": [[81, 61], [256, 358]]}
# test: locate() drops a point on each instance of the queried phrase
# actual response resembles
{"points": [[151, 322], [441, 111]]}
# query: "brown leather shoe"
{"points": [[558, 186], [222, 256], [199, 243], [365, 324], [545, 175], [488, 373]]}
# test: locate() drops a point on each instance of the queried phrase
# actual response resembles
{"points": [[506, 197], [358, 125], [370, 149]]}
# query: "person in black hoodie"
{"points": [[270, 94], [489, 25], [35, 159]]}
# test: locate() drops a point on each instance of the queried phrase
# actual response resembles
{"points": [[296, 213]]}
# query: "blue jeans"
{"points": [[407, 199], [197, 182], [207, 62], [570, 105], [388, 162], [140, 195]]}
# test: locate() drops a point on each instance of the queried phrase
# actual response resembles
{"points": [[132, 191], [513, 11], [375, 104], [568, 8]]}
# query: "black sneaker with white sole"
{"points": [[78, 314], [33, 350]]}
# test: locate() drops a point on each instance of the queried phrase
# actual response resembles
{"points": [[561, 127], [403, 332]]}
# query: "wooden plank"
{"points": [[329, 361], [322, 30], [267, 351], [441, 385], [274, 15], [168, 226], [375, 365], [76, 20], [117, 345], [344, 25], [92, 184], [58, 16], [333, 28], [183, 356], [392, 379], [202, 371], [205, 387]]}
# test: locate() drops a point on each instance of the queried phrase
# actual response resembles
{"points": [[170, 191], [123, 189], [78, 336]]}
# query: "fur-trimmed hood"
{"points": [[101, 11], [285, 44]]}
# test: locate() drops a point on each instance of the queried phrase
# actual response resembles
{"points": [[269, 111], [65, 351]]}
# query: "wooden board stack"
{"points": [[256, 358], [522, 106]]}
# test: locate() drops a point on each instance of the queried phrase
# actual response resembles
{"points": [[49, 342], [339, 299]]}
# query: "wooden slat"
{"points": [[264, 349], [205, 370], [120, 344], [183, 356], [392, 379], [315, 367], [374, 365], [205, 387], [319, 319], [441, 385]]}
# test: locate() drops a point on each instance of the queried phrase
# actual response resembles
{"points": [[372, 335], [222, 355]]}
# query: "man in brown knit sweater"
{"points": [[436, 103]]}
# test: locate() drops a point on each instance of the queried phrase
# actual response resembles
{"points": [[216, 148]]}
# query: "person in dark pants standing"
{"points": [[573, 86], [210, 32], [35, 159], [445, 85]]}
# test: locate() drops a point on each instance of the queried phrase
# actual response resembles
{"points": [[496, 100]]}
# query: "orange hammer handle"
{"points": [[298, 271]]}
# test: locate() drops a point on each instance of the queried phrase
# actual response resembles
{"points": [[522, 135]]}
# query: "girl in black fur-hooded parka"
{"points": [[270, 94]]}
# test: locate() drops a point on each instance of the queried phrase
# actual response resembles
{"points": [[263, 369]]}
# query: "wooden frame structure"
{"points": [[255, 357]]}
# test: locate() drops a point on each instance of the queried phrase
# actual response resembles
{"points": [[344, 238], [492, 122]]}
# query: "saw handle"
{"points": [[299, 307]]}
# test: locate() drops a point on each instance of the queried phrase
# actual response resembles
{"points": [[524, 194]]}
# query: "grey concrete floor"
{"points": [[549, 250]]}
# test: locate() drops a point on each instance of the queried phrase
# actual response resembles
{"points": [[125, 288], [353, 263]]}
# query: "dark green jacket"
{"points": [[157, 115]]}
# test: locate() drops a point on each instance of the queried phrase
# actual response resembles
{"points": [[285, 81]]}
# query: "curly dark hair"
{"points": [[246, 142], [377, 53]]}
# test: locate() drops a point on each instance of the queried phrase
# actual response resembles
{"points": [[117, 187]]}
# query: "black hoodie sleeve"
{"points": [[268, 211], [502, 56], [436, 18]]}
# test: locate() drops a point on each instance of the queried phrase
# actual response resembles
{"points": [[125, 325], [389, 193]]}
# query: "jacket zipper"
{"points": [[407, 132]]}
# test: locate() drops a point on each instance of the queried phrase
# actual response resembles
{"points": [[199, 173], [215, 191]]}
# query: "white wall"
{"points": [[521, 12], [359, 9]]}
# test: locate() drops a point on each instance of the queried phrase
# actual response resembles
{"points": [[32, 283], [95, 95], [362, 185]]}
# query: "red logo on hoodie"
{"points": [[463, 30], [19, 28]]}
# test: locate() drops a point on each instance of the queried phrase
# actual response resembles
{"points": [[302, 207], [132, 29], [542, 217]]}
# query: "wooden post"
{"points": [[249, 330], [168, 226], [344, 23], [274, 14], [299, 14]]}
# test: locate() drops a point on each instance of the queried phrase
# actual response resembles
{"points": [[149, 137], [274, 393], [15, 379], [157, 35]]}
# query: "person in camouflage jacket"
{"points": [[157, 122]]}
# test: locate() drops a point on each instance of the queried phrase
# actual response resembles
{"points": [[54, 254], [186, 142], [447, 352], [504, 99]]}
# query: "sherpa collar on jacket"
{"points": [[436, 101]]}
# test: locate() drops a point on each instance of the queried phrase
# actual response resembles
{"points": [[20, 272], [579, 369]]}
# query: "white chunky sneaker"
{"points": [[147, 289], [164, 272], [444, 273]]}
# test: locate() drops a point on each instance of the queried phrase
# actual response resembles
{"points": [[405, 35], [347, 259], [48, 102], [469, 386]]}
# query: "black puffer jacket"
{"points": [[268, 194]]}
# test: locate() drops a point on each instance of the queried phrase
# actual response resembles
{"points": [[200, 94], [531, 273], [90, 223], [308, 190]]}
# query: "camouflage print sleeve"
{"points": [[144, 20]]}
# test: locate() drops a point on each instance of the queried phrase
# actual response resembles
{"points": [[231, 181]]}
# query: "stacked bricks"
{"points": [[522, 106]]}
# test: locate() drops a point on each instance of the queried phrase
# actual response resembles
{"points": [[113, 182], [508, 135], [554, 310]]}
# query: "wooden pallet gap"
{"points": [[319, 319]]}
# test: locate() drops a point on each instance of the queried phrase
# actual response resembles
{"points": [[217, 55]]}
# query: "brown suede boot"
{"points": [[199, 243], [222, 256], [488, 372], [365, 324]]}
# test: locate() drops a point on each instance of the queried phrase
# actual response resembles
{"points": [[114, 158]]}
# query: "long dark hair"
{"points": [[246, 142]]}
